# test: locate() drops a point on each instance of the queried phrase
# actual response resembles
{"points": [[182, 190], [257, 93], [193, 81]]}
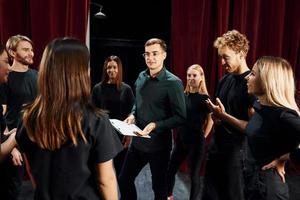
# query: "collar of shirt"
{"points": [[159, 77]]}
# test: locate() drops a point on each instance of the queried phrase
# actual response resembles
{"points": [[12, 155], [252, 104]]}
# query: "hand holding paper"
{"points": [[147, 130], [126, 129]]}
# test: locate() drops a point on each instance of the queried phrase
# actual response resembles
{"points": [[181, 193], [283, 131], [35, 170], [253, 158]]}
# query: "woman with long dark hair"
{"points": [[68, 142], [115, 96]]}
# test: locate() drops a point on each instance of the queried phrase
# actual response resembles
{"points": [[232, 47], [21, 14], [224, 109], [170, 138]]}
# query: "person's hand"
{"points": [[16, 157], [130, 119], [126, 141], [217, 109], [11, 132], [147, 130], [279, 166]]}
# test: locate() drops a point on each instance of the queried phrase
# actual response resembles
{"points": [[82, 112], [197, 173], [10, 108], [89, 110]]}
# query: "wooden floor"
{"points": [[143, 185]]}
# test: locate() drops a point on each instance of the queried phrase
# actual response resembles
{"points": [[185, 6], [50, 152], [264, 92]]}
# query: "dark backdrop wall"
{"points": [[129, 24]]}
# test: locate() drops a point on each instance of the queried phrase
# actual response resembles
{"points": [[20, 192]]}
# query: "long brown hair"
{"points": [[119, 77], [64, 90]]}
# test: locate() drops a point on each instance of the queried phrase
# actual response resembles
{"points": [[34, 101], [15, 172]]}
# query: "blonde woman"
{"points": [[191, 135], [273, 132]]}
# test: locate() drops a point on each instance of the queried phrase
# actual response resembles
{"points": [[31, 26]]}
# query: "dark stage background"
{"points": [[125, 30]]}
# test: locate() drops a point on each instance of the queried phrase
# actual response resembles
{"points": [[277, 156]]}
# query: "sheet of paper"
{"points": [[126, 129]]}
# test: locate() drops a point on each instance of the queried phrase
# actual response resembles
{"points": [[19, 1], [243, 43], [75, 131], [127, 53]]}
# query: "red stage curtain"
{"points": [[272, 27], [43, 20]]}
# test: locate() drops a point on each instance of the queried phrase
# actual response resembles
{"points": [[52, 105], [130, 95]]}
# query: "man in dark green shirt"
{"points": [[158, 108]]}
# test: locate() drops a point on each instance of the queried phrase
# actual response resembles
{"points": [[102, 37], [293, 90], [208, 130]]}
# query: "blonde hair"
{"points": [[202, 89], [13, 42], [234, 40], [277, 80]]}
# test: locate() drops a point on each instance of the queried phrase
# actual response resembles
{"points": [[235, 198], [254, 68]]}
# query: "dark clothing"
{"points": [[190, 143], [224, 170], [134, 163], [194, 153], [224, 175], [197, 112], [69, 172], [2, 122], [295, 156], [232, 91], [159, 100], [20, 89], [118, 102], [271, 132], [266, 185]]}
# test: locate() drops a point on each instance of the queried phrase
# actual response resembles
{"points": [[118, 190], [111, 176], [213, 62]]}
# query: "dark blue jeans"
{"points": [[266, 185], [224, 178], [134, 162]]}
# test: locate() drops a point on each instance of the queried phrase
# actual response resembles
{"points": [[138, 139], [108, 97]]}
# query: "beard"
{"points": [[25, 60]]}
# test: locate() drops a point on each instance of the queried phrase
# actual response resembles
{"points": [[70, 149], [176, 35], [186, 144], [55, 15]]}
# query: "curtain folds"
{"points": [[43, 21], [272, 27]]}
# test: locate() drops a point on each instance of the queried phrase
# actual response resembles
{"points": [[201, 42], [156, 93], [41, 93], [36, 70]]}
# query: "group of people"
{"points": [[73, 152]]}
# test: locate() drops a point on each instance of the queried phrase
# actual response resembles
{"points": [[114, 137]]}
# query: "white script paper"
{"points": [[126, 129]]}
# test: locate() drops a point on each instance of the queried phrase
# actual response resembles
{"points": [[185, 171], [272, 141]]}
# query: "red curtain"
{"points": [[43, 20], [272, 27]]}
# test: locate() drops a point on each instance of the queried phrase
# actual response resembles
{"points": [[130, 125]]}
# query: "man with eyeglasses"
{"points": [[158, 108]]}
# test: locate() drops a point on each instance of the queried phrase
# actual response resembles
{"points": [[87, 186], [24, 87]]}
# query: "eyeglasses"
{"points": [[148, 54]]}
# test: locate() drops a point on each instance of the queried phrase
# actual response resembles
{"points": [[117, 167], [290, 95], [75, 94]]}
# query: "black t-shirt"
{"points": [[20, 89], [118, 102], [69, 172], [2, 125], [272, 132], [232, 91], [197, 111]]}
